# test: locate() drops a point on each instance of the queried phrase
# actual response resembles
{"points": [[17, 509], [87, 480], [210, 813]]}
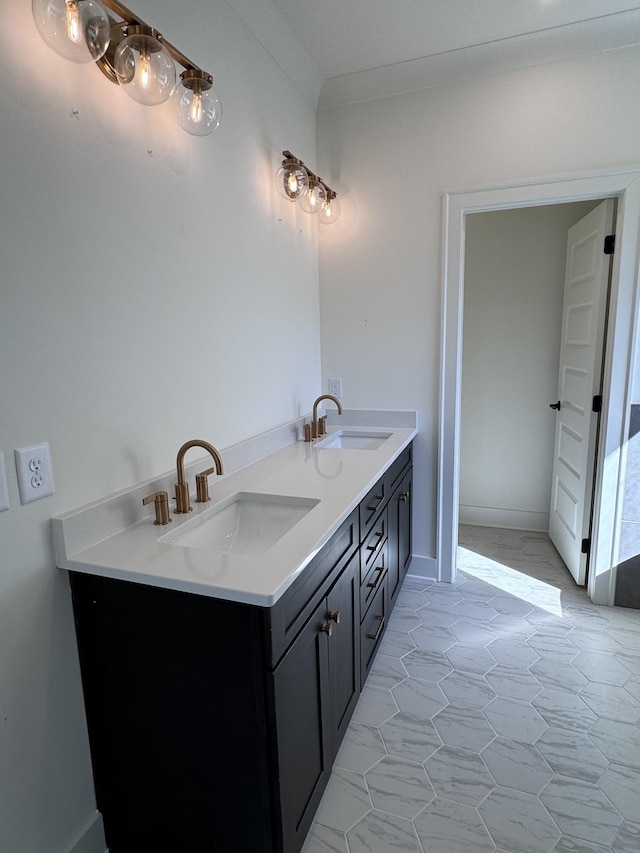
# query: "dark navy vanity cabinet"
{"points": [[214, 724]]}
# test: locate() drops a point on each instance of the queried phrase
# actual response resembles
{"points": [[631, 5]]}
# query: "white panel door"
{"points": [[583, 323]]}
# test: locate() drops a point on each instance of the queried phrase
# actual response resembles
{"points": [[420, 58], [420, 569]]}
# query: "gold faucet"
{"points": [[318, 427], [182, 488]]}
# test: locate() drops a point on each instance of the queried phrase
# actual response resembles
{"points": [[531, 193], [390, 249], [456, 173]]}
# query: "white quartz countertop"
{"points": [[336, 478]]}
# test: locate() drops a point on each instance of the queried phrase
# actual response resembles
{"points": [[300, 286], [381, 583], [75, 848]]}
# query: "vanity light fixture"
{"points": [[131, 54], [296, 182]]}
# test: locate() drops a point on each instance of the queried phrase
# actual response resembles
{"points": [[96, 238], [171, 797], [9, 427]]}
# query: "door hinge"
{"points": [[609, 244], [586, 546], [596, 406]]}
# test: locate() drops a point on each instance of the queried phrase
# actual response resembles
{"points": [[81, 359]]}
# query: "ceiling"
{"points": [[367, 48]]}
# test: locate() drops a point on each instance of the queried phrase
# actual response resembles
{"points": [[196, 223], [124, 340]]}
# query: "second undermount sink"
{"points": [[245, 523], [354, 440]]}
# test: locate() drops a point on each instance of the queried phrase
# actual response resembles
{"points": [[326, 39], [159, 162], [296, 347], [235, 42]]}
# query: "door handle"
{"points": [[556, 406]]}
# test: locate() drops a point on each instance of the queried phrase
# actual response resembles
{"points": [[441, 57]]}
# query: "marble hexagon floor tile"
{"points": [[460, 775], [464, 728], [470, 659], [512, 682], [620, 742], [446, 827], [622, 786], [519, 821], [346, 800], [399, 787], [381, 832], [571, 754], [503, 716], [517, 765], [322, 839], [361, 748], [409, 736], [420, 698], [582, 809], [613, 702], [517, 720], [564, 710], [628, 839]]}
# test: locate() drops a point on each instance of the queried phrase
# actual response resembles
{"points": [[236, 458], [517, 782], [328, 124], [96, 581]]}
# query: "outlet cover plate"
{"points": [[335, 387], [35, 472]]}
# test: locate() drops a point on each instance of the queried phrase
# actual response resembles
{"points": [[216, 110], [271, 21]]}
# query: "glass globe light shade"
{"points": [[331, 210], [315, 199], [78, 30], [292, 180], [197, 104], [144, 67]]}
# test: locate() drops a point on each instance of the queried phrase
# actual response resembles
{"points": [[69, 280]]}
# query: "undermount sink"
{"points": [[245, 523], [353, 440]]}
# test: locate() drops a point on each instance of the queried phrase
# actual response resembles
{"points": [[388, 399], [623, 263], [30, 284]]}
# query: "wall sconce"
{"points": [[131, 54], [295, 182]]}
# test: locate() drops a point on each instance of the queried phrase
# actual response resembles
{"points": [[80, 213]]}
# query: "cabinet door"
{"points": [[344, 650], [302, 711], [399, 534]]}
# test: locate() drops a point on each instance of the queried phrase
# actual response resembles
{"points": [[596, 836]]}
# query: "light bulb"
{"points": [[73, 22], [144, 71], [315, 197], [330, 210], [292, 180], [197, 104], [144, 67], [196, 112], [79, 30], [293, 185]]}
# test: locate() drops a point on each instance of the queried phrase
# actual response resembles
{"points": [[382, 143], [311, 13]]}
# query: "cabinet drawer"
{"points": [[379, 495], [371, 505], [376, 577], [372, 545], [372, 629]]}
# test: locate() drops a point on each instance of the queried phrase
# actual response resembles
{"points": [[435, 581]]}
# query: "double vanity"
{"points": [[223, 653]]}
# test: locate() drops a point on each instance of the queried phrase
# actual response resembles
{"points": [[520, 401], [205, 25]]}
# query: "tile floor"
{"points": [[502, 715]]}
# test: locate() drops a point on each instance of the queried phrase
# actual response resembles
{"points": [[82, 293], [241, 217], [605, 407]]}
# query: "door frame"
{"points": [[619, 354]]}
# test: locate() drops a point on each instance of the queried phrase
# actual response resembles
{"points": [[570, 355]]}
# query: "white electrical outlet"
{"points": [[4, 489], [335, 387], [35, 472]]}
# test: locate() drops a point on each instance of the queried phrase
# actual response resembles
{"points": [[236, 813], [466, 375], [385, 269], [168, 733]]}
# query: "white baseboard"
{"points": [[423, 567], [513, 519], [90, 838]]}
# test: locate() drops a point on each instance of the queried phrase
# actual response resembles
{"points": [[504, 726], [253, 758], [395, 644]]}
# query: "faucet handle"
{"points": [[322, 425], [202, 486], [161, 501], [183, 504]]}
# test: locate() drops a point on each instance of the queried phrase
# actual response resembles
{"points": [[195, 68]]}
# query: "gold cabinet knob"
{"points": [[327, 628], [161, 502], [334, 616], [404, 496]]}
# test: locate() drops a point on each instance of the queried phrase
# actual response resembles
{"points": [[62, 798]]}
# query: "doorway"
{"points": [[515, 265], [617, 373]]}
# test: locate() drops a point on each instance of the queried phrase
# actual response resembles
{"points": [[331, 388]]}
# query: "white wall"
{"points": [[514, 282], [393, 158], [153, 288]]}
